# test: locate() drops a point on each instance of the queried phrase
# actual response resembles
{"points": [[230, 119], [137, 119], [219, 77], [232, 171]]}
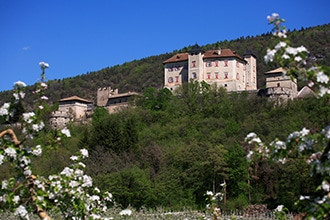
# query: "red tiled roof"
{"points": [[177, 58], [224, 53], [74, 98]]}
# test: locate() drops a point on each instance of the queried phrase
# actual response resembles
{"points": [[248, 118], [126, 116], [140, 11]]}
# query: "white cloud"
{"points": [[26, 48]]}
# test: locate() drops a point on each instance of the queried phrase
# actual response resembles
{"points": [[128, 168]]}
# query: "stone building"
{"points": [[280, 86], [72, 108], [223, 67], [112, 100]]}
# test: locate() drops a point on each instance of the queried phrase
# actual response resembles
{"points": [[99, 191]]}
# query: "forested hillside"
{"points": [[138, 75], [169, 150]]}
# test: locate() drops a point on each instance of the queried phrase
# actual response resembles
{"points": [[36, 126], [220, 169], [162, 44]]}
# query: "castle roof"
{"points": [[278, 70], [122, 95], [177, 58], [223, 53], [75, 98], [305, 92], [196, 49]]}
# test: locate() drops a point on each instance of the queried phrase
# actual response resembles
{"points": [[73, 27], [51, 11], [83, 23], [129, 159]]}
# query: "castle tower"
{"points": [[250, 70], [103, 96], [196, 64]]}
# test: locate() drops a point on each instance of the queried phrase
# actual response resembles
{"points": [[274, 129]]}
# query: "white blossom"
{"points": [[4, 184], [321, 77], [66, 132], [73, 184], [1, 159], [298, 59], [323, 91], [84, 153], [269, 57], [325, 186], [108, 196], [291, 50], [27, 171], [279, 145], [209, 193], [82, 164], [22, 212], [127, 212], [325, 132], [25, 161], [4, 109], [280, 45], [11, 152], [16, 96], [249, 155], [301, 49], [37, 151], [38, 127], [20, 84], [279, 208], [28, 117], [87, 181], [44, 97], [16, 199], [304, 197], [67, 171], [43, 65], [79, 172], [281, 34], [73, 158], [304, 132], [285, 56]]}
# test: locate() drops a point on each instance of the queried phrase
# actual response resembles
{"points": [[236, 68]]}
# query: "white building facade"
{"points": [[222, 67]]}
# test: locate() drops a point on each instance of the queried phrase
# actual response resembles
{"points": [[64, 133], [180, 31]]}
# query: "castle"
{"points": [[76, 109], [223, 67]]}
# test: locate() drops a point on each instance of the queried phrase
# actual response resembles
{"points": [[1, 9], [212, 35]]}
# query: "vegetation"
{"points": [[170, 155]]}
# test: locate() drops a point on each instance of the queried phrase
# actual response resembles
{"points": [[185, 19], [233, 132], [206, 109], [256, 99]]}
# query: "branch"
{"points": [[40, 211], [12, 134]]}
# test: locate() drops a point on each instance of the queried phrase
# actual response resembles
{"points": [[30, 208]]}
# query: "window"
{"points": [[170, 69], [170, 79], [237, 64], [237, 76], [216, 63], [193, 63], [194, 75], [208, 64], [216, 75], [177, 79], [226, 63], [208, 75], [278, 84], [226, 75]]}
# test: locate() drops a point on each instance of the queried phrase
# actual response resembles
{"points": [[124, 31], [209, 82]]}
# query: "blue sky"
{"points": [[80, 36]]}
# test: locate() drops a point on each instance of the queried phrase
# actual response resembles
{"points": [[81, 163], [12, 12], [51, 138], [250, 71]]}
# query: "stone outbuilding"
{"points": [[112, 100], [72, 108]]}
